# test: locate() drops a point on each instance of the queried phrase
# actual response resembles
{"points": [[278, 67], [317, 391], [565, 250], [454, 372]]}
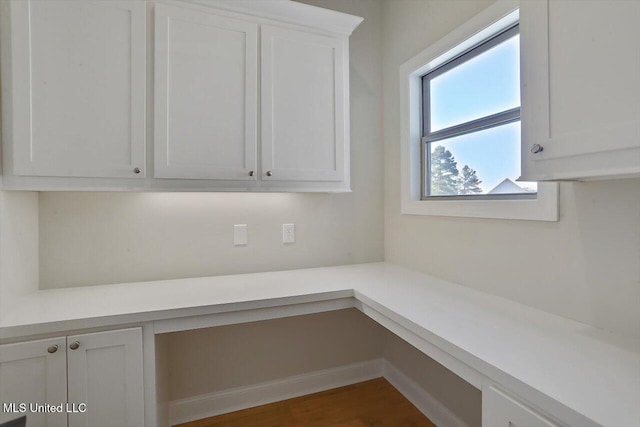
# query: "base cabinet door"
{"points": [[502, 410], [105, 373], [33, 373], [74, 88], [304, 80]]}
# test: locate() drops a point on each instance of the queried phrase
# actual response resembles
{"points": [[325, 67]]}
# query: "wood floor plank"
{"points": [[374, 403]]}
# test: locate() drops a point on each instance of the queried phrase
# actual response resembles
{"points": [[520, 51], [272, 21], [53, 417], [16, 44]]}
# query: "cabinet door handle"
{"points": [[74, 345], [137, 170], [269, 173], [52, 348], [250, 173], [536, 148]]}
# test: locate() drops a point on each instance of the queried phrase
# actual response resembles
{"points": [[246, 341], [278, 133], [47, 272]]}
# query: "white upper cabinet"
{"points": [[247, 95], [304, 106], [206, 95], [75, 88], [580, 89]]}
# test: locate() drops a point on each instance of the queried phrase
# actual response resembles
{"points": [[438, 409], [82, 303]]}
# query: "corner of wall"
{"points": [[19, 266]]}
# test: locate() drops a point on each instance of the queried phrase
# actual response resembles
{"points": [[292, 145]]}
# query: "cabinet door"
{"points": [[580, 88], [105, 373], [500, 410], [304, 106], [34, 372], [205, 95], [77, 84]]}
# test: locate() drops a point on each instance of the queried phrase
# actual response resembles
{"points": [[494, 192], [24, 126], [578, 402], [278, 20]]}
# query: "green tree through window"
{"points": [[444, 172], [469, 182], [446, 179]]}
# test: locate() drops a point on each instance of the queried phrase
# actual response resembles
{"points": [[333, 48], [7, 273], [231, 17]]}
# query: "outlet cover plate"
{"points": [[240, 237], [288, 233]]}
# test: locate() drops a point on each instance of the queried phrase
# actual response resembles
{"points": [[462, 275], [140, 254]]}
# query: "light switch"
{"points": [[288, 233], [240, 234]]}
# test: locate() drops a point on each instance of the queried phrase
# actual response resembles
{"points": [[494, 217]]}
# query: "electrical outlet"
{"points": [[288, 233], [240, 234]]}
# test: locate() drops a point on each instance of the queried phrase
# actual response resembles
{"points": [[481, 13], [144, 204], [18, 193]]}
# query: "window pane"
{"points": [[486, 84], [483, 162]]}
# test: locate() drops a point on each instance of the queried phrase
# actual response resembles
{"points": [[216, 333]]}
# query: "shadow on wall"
{"points": [[457, 395], [608, 225]]}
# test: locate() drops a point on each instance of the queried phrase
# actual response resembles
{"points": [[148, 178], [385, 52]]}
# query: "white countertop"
{"points": [[595, 374]]}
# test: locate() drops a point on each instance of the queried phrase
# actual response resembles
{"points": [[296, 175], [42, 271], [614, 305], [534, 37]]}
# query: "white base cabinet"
{"points": [[501, 410], [580, 89], [34, 372], [105, 372], [101, 370]]}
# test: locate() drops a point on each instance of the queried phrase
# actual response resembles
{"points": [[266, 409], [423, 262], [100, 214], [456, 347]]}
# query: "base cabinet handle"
{"points": [[74, 345], [52, 348]]}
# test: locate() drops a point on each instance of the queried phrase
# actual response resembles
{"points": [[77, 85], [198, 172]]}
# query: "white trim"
{"points": [[439, 414], [499, 15], [289, 12], [235, 399]]}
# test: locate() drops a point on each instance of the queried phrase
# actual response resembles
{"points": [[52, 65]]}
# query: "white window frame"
{"points": [[493, 20]]}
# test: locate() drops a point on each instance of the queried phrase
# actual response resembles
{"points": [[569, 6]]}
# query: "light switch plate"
{"points": [[288, 233], [240, 234]]}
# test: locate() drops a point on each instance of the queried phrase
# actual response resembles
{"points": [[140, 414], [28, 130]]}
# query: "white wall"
{"points": [[252, 353], [100, 238], [458, 396], [18, 245], [256, 352], [585, 267]]}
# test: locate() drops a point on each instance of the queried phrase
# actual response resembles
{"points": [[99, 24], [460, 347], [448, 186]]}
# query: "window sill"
{"points": [[542, 208]]}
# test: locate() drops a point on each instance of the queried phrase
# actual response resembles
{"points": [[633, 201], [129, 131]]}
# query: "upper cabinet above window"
{"points": [[580, 89], [83, 110]]}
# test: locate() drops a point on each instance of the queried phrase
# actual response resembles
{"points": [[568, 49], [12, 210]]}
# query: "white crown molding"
{"points": [[290, 12]]}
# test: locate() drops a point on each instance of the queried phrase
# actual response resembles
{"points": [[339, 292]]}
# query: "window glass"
{"points": [[482, 162], [481, 86], [471, 123]]}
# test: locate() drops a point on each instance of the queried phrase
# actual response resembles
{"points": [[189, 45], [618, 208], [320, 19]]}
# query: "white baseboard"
{"points": [[208, 405], [439, 414], [222, 402]]}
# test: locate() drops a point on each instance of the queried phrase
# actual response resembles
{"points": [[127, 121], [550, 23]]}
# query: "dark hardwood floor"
{"points": [[374, 403]]}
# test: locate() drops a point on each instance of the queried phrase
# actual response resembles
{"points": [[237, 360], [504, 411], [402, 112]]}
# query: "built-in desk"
{"points": [[571, 373]]}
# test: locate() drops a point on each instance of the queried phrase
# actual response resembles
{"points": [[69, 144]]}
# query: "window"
{"points": [[471, 123], [460, 106]]}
